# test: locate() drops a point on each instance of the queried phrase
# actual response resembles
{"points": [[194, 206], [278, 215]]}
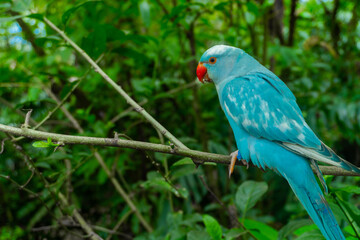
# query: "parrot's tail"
{"points": [[309, 193]]}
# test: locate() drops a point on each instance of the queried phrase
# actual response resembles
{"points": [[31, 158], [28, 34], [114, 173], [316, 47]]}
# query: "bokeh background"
{"points": [[151, 49]]}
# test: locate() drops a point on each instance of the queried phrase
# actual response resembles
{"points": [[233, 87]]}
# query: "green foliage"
{"points": [[151, 49], [289, 228], [248, 193], [260, 230], [43, 144], [212, 227]]}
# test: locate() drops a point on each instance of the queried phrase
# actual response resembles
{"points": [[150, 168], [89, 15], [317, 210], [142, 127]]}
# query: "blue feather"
{"points": [[270, 130]]}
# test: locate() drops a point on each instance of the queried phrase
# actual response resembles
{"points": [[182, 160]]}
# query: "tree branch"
{"points": [[198, 156], [116, 184], [129, 100], [292, 23], [92, 235]]}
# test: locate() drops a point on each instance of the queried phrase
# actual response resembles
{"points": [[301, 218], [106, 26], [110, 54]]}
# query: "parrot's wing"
{"points": [[264, 107]]}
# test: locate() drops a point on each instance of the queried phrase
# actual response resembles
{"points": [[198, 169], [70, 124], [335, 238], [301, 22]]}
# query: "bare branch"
{"points": [[198, 155]]}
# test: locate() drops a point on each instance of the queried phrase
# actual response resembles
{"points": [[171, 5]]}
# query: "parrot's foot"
{"points": [[245, 163], [234, 156]]}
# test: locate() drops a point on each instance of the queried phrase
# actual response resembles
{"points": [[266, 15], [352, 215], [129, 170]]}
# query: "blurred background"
{"points": [[151, 49]]}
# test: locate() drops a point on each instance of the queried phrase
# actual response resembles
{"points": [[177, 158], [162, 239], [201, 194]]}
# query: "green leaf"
{"points": [[184, 161], [176, 11], [197, 234], [212, 227], [159, 183], [250, 18], [51, 143], [67, 14], [234, 233], [137, 56], [188, 161], [305, 229], [248, 193], [350, 189], [221, 6], [113, 33], [43, 165], [5, 5], [95, 43], [36, 16], [40, 144], [8, 19], [33, 94], [253, 8], [144, 9], [21, 5], [180, 171], [289, 228], [312, 235], [351, 212], [260, 230], [192, 219]]}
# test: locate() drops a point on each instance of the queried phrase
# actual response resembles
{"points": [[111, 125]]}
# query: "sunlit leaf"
{"points": [[40, 144], [212, 227]]}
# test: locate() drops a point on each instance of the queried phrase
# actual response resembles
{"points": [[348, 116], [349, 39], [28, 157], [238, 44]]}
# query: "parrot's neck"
{"points": [[244, 65]]}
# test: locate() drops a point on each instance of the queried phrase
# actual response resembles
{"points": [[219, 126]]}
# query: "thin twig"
{"points": [[21, 113], [27, 118], [122, 192], [60, 104], [146, 101], [210, 191], [98, 228], [118, 224], [2, 145], [92, 235], [29, 179]]}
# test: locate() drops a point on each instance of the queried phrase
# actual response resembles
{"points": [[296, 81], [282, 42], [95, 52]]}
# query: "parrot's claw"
{"points": [[245, 163], [234, 156]]}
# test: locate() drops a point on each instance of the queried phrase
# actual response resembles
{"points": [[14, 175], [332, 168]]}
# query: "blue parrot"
{"points": [[270, 130]]}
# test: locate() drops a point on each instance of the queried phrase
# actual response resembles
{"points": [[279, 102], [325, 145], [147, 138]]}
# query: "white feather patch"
{"points": [[310, 153]]}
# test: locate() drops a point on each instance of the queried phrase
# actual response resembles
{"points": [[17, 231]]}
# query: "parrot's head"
{"points": [[221, 62]]}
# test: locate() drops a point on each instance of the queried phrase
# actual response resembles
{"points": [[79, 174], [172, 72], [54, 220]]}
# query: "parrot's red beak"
{"points": [[201, 73]]}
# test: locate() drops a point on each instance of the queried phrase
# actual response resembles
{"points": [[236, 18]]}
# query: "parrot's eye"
{"points": [[212, 60]]}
